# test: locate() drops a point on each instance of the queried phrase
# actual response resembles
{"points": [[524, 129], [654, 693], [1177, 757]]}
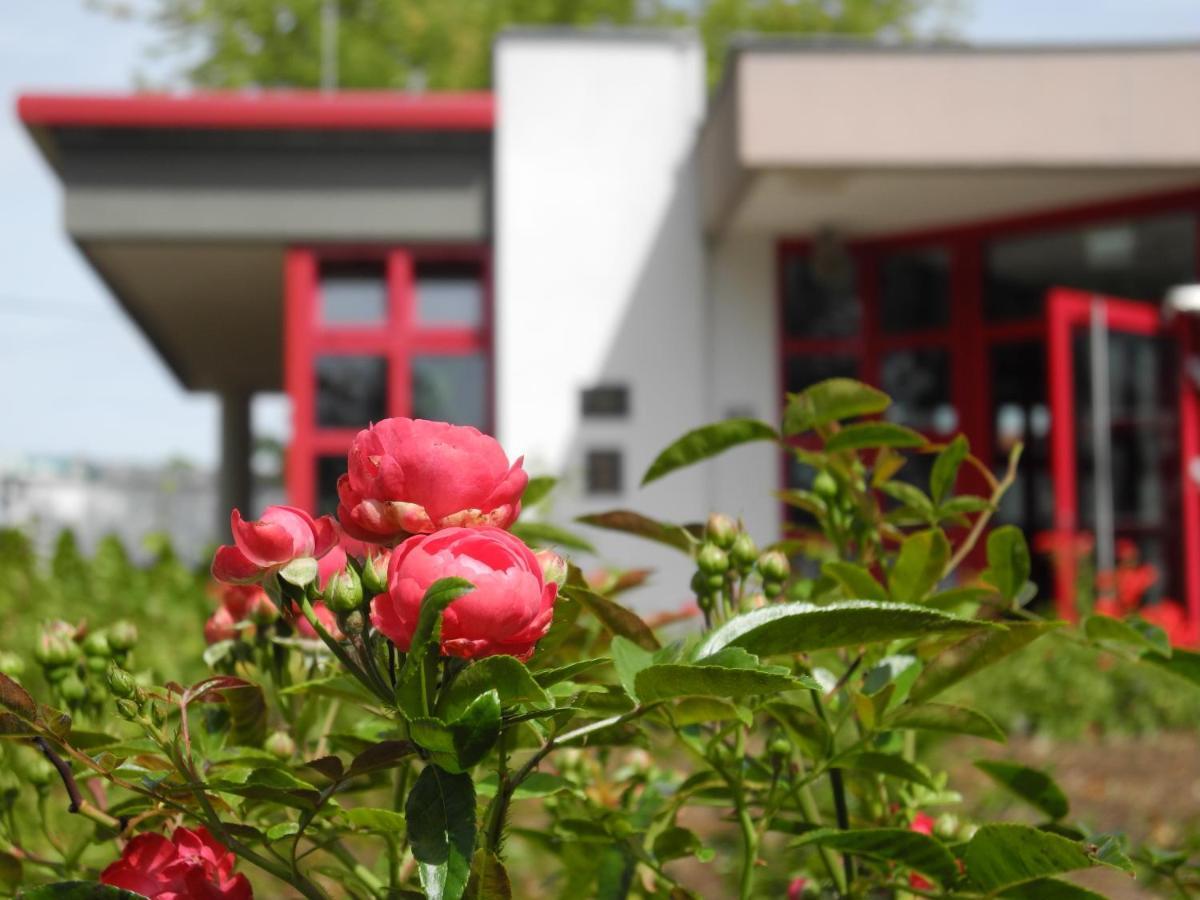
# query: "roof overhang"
{"points": [[868, 139], [184, 204]]}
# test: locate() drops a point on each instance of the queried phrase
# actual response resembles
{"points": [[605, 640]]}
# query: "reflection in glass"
{"points": [[918, 381], [451, 389], [1139, 259], [329, 470], [351, 390], [449, 294], [353, 294], [915, 290], [820, 297]]}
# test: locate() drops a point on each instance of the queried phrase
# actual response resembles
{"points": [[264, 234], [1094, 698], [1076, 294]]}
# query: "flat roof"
{"points": [[266, 110]]}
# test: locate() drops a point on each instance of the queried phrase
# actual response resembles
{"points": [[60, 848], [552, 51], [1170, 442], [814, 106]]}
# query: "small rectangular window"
{"points": [[351, 390], [604, 472], [449, 295], [606, 400], [329, 470], [353, 294]]}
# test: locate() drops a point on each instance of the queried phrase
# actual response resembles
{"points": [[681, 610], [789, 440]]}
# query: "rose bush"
{"points": [[374, 735]]}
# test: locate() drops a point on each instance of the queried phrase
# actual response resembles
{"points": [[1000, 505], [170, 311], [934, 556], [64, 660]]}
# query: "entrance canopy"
{"points": [[868, 140], [185, 204]]}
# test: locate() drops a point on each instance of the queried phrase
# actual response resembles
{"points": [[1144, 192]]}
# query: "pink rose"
{"points": [[248, 601], [410, 476], [507, 613], [324, 615], [221, 626], [922, 823], [190, 866], [796, 888], [261, 548]]}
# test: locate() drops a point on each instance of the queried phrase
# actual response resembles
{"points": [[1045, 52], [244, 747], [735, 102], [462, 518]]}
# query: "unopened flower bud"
{"points": [[97, 664], [774, 566], [55, 646], [39, 772], [343, 592], [120, 682], [744, 552], [96, 645], [721, 530], [157, 716], [73, 690], [554, 567], [280, 745], [716, 583], [11, 664], [351, 624], [712, 560], [780, 746], [825, 485], [700, 585], [127, 709], [772, 589], [122, 636], [375, 569]]}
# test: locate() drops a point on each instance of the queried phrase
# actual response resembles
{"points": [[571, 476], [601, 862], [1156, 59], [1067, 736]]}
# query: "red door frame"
{"points": [[398, 339]]}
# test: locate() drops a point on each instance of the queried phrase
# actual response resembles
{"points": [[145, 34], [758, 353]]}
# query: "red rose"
{"points": [[190, 866], [261, 548], [507, 613], [410, 476], [221, 626], [922, 824]]}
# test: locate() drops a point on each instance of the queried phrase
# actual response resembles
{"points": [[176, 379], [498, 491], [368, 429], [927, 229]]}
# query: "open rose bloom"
{"points": [[261, 548], [411, 476], [507, 613], [189, 866]]}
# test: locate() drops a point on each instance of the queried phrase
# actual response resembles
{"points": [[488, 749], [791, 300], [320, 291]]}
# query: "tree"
{"points": [[446, 44]]}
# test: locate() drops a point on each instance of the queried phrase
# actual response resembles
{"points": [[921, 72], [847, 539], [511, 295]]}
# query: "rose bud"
{"points": [[343, 592], [11, 664], [122, 636], [773, 566], [220, 626], [191, 864], [721, 530], [554, 567], [744, 552], [72, 688], [508, 612], [56, 645], [96, 645], [282, 536], [411, 476], [374, 572], [712, 560], [280, 745], [120, 682]]}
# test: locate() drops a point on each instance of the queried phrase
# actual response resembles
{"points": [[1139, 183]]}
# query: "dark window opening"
{"points": [[351, 390], [606, 400], [604, 475]]}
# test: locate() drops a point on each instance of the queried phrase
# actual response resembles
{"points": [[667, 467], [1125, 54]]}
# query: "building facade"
{"points": [[599, 255]]}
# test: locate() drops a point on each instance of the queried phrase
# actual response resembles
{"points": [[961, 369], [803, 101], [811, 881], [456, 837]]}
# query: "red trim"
{"points": [[1189, 452], [356, 110]]}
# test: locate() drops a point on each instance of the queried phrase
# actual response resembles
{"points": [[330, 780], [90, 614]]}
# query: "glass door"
{"points": [[1122, 431]]}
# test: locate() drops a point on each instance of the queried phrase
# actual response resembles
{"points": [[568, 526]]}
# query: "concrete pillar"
{"points": [[234, 479]]}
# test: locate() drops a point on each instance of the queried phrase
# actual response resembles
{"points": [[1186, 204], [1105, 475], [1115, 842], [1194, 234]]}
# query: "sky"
{"points": [[77, 379]]}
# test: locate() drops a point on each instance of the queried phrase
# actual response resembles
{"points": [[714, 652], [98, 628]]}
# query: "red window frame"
{"points": [[398, 339]]}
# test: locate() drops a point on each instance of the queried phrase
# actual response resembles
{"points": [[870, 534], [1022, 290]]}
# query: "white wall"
{"points": [[600, 268]]}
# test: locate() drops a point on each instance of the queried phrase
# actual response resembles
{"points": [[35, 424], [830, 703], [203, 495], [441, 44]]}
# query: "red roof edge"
{"points": [[310, 110]]}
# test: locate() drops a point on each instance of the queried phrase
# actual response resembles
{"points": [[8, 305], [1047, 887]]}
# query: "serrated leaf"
{"points": [[543, 534], [910, 496], [911, 849], [868, 435], [973, 654], [1000, 857], [17, 700], [381, 821], [1051, 889], [832, 400], [1033, 786], [489, 878], [537, 786], [628, 660], [675, 842], [665, 682], [801, 627], [919, 566], [855, 580], [616, 618], [629, 522], [887, 764], [506, 675], [948, 719], [550, 677], [1008, 560], [945, 468], [440, 819], [247, 708], [707, 441], [414, 686], [1140, 635], [380, 757]]}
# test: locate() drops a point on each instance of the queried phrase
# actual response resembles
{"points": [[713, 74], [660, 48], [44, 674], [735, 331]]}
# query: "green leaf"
{"points": [[865, 435], [543, 534], [17, 700], [801, 627], [247, 714], [1051, 889], [460, 745], [381, 821], [708, 679], [414, 686], [1183, 664], [489, 879], [948, 719], [855, 580], [282, 830], [887, 764], [708, 441], [79, 890], [1034, 787], [506, 675], [440, 818], [945, 468], [919, 566], [629, 522], [1008, 560], [1135, 633], [535, 787], [999, 857], [832, 400], [616, 618], [550, 677], [629, 659], [537, 490], [11, 873], [675, 842], [911, 849], [973, 654], [912, 497], [380, 757]]}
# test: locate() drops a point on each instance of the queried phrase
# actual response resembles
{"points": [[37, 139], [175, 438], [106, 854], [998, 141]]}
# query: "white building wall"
{"points": [[600, 270]]}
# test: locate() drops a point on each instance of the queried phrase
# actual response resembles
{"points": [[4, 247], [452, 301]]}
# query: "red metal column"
{"points": [[299, 289]]}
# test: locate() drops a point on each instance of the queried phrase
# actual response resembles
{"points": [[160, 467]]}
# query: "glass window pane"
{"points": [[918, 381], [451, 389], [449, 294], [802, 370], [351, 391], [1139, 259], [915, 290], [329, 470], [820, 296], [353, 294]]}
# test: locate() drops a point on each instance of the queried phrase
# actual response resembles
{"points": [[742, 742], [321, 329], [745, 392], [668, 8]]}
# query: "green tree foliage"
{"points": [[446, 44]]}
